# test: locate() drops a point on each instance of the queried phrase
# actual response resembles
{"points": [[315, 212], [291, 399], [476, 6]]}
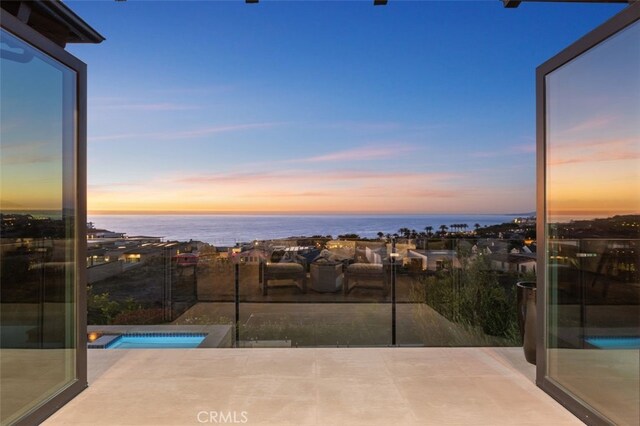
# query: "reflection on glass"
{"points": [[37, 209], [593, 225]]}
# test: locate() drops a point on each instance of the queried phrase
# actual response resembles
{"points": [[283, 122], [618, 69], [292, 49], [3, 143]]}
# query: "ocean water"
{"points": [[230, 229]]}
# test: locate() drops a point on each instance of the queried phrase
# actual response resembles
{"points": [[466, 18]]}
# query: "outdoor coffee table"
{"points": [[326, 277]]}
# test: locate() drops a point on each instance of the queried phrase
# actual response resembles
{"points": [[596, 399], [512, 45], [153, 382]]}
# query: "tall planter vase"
{"points": [[527, 318]]}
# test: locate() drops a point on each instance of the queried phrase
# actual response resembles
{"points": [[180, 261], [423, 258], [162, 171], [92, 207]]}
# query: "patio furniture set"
{"points": [[328, 272]]}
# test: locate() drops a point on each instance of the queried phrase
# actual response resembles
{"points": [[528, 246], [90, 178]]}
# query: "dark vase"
{"points": [[527, 318]]}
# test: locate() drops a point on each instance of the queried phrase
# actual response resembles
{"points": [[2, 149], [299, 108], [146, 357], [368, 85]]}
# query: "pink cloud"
{"points": [[288, 176], [28, 152], [594, 150], [366, 126], [436, 193], [237, 178], [590, 124], [595, 143], [162, 106], [598, 157], [360, 153], [526, 148], [184, 134], [287, 194]]}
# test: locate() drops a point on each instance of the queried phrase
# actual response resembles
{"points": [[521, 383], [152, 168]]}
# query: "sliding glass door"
{"points": [[591, 177], [41, 351]]}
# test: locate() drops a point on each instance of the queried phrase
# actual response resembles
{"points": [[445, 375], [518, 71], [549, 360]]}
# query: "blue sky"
{"points": [[318, 107]]}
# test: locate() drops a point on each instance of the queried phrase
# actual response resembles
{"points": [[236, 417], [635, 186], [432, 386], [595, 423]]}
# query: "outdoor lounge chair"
{"points": [[287, 268], [370, 266]]}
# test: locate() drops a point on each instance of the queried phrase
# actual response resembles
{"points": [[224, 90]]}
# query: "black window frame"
{"points": [[610, 28], [27, 34]]}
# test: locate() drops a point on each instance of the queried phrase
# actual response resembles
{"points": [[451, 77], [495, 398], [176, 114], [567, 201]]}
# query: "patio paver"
{"points": [[313, 386]]}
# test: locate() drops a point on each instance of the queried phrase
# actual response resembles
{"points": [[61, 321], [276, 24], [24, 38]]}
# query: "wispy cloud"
{"points": [[30, 158], [525, 148], [590, 124], [301, 190], [108, 99], [238, 177], [161, 106], [598, 143], [297, 175], [595, 150], [197, 90], [28, 153], [436, 193], [383, 126], [183, 134], [113, 185], [357, 154], [287, 194], [374, 192], [487, 154], [599, 156], [372, 126]]}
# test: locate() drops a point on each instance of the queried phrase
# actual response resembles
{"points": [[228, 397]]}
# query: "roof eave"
{"points": [[80, 31]]}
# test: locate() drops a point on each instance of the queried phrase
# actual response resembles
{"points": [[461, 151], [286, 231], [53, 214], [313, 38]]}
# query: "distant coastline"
{"points": [[231, 229]]}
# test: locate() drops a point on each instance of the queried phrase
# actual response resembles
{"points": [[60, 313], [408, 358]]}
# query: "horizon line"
{"points": [[274, 213]]}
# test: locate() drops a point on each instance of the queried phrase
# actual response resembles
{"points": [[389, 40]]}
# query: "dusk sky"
{"points": [[416, 107], [587, 141]]}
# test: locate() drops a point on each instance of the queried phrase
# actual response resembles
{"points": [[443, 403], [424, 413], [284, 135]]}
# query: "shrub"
{"points": [[473, 297]]}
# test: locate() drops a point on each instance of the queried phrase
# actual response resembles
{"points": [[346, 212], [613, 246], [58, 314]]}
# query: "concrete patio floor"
{"points": [[319, 386]]}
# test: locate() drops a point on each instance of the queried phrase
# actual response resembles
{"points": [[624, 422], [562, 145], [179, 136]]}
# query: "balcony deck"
{"points": [[315, 386]]}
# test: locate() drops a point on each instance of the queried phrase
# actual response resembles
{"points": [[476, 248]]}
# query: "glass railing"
{"points": [[312, 292], [593, 341], [594, 292]]}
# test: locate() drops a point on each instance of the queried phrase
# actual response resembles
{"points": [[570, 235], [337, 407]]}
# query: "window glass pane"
{"points": [[37, 202], [593, 225]]}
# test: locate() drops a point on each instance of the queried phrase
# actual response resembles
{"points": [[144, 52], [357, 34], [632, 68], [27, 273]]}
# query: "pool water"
{"points": [[156, 341], [606, 342]]}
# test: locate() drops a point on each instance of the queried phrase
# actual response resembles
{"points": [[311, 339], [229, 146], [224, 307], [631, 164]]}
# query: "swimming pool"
{"points": [[609, 342], [156, 341]]}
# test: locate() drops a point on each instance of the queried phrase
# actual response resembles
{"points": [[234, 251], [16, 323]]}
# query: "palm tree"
{"points": [[428, 229], [406, 232], [380, 235], [464, 226], [443, 229], [477, 226]]}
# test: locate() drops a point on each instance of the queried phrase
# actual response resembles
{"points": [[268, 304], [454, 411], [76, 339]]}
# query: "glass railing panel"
{"points": [[318, 292], [461, 291], [457, 289], [146, 285], [594, 309]]}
